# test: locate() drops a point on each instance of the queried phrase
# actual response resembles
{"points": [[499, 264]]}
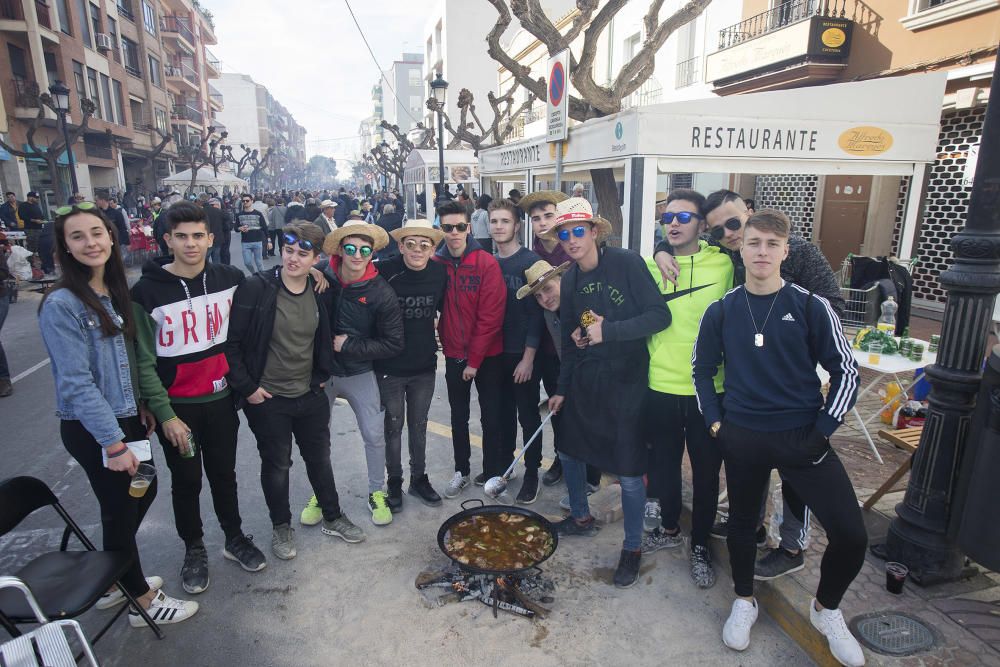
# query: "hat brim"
{"points": [[333, 240], [435, 235], [603, 228], [546, 196], [535, 286]]}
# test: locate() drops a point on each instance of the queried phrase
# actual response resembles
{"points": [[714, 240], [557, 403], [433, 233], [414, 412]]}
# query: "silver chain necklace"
{"points": [[208, 308], [758, 337]]}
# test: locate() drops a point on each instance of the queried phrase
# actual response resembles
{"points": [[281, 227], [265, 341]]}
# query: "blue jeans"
{"points": [[253, 254], [633, 499], [214, 254], [4, 307]]}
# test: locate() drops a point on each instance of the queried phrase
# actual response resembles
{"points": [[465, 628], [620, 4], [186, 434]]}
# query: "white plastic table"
{"points": [[889, 364]]}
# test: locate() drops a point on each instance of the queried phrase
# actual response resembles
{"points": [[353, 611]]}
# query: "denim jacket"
{"points": [[93, 379]]}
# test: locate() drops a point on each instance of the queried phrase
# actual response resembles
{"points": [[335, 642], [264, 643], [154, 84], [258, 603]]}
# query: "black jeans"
{"points": [[459, 395], [121, 514], [214, 426], [273, 423], [821, 484], [518, 404], [671, 421], [408, 397]]}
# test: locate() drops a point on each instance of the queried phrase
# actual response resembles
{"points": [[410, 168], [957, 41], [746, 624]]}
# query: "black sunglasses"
{"points": [[732, 224], [462, 227], [351, 250], [291, 239], [683, 217]]}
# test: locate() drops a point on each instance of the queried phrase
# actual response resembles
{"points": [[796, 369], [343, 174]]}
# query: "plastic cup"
{"points": [[935, 342], [144, 476], [895, 575], [917, 352], [874, 353], [192, 447]]}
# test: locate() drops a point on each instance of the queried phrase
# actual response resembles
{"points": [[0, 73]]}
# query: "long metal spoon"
{"points": [[497, 485]]}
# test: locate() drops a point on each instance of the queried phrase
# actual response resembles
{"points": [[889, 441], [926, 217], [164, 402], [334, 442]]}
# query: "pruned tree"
{"points": [[56, 146], [253, 160], [389, 160], [506, 117], [209, 151]]}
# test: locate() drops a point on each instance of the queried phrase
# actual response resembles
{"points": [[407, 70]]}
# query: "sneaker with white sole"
{"points": [[381, 514], [651, 515], [457, 484], [164, 610], [830, 623], [114, 597], [736, 631], [661, 539], [777, 563], [343, 528], [283, 542]]}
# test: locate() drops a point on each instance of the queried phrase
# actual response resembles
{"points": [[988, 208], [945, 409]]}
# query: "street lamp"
{"points": [[439, 89], [60, 100]]}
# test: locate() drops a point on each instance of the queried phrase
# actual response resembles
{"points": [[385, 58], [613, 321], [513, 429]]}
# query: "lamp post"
{"points": [[439, 88], [60, 100]]}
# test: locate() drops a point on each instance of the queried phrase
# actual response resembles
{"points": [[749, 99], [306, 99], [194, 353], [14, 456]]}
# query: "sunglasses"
{"points": [[351, 250], [291, 239], [732, 224], [412, 244], [578, 232], [462, 227], [683, 217], [81, 206], [247, 201]]}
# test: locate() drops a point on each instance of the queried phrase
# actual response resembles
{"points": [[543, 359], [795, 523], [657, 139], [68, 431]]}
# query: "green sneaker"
{"points": [[311, 513], [381, 515]]}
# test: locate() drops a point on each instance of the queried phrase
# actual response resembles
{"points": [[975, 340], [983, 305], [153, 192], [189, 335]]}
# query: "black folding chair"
{"points": [[65, 583]]}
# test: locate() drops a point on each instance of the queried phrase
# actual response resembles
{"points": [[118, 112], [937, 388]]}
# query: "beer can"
{"points": [[935, 342], [192, 447], [917, 353]]}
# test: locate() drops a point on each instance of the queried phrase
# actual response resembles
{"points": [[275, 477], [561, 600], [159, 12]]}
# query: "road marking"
{"points": [[475, 440], [21, 376]]}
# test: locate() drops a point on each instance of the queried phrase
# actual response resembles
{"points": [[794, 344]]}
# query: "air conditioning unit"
{"points": [[104, 42]]}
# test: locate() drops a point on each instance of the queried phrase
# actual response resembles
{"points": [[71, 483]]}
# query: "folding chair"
{"points": [[903, 438], [48, 646], [64, 583]]}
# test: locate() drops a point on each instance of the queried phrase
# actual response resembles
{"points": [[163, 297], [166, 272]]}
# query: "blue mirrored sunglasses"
{"points": [[291, 239], [578, 232], [683, 217]]}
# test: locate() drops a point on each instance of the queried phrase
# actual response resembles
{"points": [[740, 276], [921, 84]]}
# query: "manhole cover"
{"points": [[892, 633]]}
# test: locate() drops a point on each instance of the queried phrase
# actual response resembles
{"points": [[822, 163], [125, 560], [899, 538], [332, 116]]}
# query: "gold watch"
{"points": [[714, 429]]}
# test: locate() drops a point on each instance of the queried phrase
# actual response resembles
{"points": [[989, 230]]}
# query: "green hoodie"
{"points": [[704, 277]]}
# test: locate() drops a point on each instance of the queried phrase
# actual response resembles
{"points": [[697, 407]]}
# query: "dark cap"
{"points": [[32, 194]]}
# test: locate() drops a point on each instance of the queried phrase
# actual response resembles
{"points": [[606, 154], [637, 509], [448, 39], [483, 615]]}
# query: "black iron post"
{"points": [[922, 535]]}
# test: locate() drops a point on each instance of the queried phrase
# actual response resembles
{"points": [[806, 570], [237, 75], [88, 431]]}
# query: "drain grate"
{"points": [[893, 633]]}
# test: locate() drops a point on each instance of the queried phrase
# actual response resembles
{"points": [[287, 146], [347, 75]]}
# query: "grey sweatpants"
{"points": [[361, 392]]}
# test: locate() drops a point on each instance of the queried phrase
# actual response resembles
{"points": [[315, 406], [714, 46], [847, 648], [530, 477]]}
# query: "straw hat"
{"points": [[574, 210], [417, 227], [327, 203], [355, 228], [661, 198], [538, 274], [547, 196]]}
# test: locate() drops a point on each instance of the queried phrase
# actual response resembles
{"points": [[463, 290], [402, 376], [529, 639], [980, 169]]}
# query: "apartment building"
{"points": [[254, 118], [794, 43], [406, 107]]}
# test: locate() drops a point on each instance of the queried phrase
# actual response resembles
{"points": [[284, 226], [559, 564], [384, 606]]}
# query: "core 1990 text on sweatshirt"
{"points": [[774, 387]]}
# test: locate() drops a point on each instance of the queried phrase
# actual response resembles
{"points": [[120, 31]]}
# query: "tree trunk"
{"points": [[194, 178], [609, 204]]}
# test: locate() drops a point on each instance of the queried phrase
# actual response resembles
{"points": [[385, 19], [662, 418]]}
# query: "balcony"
{"points": [[10, 10], [25, 97], [42, 10], [182, 74], [215, 98], [688, 72], [142, 122], [650, 92], [188, 113], [213, 67], [178, 28], [125, 10], [101, 152], [803, 42]]}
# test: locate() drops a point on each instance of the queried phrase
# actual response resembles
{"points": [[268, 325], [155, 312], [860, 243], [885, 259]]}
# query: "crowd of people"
{"points": [[709, 346]]}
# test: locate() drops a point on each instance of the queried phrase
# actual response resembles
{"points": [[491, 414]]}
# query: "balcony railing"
{"points": [[212, 61], [141, 122], [215, 94], [178, 25], [125, 9], [132, 69], [186, 112], [103, 152], [779, 17], [10, 10], [649, 92], [181, 70], [42, 10], [25, 93], [688, 72]]}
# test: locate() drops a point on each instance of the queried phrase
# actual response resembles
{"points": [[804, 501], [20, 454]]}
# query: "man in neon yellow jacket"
{"points": [[671, 413]]}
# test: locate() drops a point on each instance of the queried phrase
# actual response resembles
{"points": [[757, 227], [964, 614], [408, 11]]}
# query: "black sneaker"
{"points": [[529, 488], [702, 572], [480, 479], [422, 489], [627, 572], [553, 475], [194, 571], [242, 550], [720, 531], [394, 499], [776, 563], [569, 526], [761, 537]]}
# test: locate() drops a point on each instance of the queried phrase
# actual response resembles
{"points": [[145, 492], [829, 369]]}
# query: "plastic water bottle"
{"points": [[887, 322]]}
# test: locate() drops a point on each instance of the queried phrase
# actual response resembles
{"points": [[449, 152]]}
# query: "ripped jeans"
{"points": [[409, 399]]}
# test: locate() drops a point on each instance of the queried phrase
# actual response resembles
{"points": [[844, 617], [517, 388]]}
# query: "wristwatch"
{"points": [[714, 429]]}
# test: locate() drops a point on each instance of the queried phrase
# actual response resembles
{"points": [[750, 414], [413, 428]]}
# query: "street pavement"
{"points": [[338, 603]]}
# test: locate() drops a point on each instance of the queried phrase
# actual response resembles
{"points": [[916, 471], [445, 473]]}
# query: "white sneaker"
{"points": [[736, 631], [457, 484], [651, 515], [844, 647], [164, 610], [115, 597]]}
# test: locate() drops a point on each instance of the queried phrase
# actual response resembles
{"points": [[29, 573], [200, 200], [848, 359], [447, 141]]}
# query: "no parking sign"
{"points": [[557, 113]]}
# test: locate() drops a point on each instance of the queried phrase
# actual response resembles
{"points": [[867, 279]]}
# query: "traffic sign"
{"points": [[557, 109]]}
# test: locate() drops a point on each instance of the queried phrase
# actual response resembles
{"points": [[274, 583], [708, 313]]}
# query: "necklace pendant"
{"points": [[758, 340]]}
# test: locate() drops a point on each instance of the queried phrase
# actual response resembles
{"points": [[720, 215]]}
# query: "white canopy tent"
{"points": [[421, 174], [207, 179], [882, 127]]}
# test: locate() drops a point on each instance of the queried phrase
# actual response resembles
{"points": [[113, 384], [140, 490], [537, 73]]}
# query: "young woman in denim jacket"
{"points": [[87, 326]]}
